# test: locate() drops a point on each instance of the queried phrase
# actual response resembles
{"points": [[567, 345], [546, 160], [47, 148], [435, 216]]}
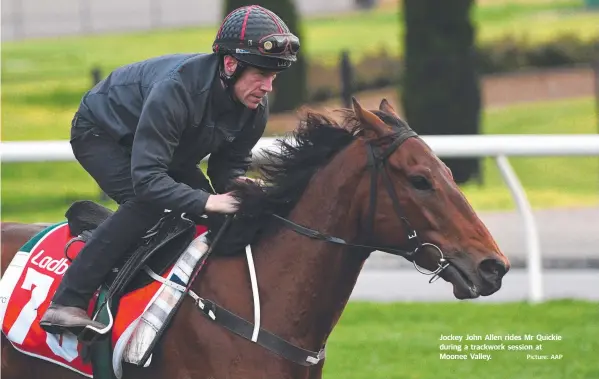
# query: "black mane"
{"points": [[290, 167], [287, 172]]}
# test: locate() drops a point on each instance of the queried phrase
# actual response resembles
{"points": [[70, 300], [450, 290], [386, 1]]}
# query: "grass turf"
{"points": [[401, 340], [52, 73]]}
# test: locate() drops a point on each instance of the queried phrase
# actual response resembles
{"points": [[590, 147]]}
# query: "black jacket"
{"points": [[170, 113]]}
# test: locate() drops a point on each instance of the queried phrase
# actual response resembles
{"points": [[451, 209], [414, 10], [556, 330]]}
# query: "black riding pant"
{"points": [[110, 165]]}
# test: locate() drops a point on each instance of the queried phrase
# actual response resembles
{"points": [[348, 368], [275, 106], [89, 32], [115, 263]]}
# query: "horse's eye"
{"points": [[421, 183]]}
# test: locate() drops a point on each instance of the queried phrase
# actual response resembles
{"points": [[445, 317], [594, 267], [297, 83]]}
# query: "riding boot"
{"points": [[86, 273]]}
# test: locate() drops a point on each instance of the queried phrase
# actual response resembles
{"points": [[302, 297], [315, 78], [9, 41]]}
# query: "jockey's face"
{"points": [[252, 85]]}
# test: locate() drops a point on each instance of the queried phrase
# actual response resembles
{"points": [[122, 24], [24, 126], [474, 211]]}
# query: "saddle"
{"points": [[158, 249]]}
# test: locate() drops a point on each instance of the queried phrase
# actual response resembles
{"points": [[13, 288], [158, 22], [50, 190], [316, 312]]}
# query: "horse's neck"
{"points": [[312, 280]]}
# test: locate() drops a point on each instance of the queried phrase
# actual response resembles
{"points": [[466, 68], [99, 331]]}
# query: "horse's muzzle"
{"points": [[491, 272]]}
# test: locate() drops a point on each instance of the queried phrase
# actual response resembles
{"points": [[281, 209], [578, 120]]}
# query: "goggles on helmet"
{"points": [[277, 44]]}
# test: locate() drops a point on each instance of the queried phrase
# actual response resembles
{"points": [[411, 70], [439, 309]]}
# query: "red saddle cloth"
{"points": [[28, 285]]}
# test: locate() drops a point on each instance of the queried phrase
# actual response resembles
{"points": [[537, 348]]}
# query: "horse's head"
{"points": [[429, 217]]}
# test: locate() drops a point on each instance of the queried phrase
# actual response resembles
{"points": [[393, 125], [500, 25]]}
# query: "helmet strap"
{"points": [[230, 80]]}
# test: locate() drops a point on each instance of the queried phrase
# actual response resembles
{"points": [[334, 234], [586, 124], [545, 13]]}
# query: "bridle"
{"points": [[377, 160]]}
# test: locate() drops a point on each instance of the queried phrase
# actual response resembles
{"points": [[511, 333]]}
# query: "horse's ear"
{"points": [[387, 108], [372, 120]]}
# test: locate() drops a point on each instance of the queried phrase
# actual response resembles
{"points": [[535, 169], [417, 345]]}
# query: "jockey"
{"points": [[141, 132]]}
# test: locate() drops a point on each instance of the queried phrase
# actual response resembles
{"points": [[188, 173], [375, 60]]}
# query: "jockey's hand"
{"points": [[224, 203]]}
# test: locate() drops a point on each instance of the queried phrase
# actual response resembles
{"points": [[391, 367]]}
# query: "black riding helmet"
{"points": [[256, 37]]}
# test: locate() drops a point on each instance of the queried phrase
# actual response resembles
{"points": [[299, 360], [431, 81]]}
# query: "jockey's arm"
{"points": [[193, 176], [160, 127], [233, 160]]}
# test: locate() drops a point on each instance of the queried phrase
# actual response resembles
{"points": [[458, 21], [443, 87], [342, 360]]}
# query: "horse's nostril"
{"points": [[492, 269]]}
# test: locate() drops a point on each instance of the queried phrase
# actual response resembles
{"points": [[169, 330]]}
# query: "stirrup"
{"points": [[85, 334], [91, 334]]}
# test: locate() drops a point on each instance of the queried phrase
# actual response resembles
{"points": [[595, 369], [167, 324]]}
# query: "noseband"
{"points": [[377, 160]]}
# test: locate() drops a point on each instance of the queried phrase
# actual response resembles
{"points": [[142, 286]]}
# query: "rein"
{"points": [[377, 161]]}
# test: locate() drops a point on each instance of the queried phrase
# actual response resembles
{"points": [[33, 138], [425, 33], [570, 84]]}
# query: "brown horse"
{"points": [[369, 183]]}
